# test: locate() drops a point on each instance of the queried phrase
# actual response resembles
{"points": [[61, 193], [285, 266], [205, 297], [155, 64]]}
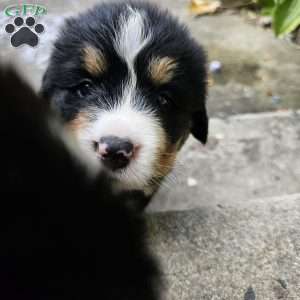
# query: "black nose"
{"points": [[115, 152]]}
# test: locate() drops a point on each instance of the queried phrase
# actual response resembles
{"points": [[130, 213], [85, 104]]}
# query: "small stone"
{"points": [[219, 136], [215, 66], [276, 99], [265, 21], [250, 294], [282, 282], [251, 15], [192, 182]]}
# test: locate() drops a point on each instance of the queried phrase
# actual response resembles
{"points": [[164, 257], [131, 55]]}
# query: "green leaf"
{"points": [[267, 3], [267, 11], [286, 17], [268, 7]]}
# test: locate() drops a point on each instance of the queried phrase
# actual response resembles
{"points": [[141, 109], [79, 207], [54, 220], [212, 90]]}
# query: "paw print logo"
{"points": [[24, 34]]}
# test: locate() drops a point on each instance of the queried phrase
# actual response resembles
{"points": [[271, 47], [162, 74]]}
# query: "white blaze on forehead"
{"points": [[132, 37]]}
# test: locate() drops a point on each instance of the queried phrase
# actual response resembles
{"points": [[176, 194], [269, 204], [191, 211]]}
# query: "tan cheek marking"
{"points": [[162, 70], [81, 121], [94, 61], [165, 159]]}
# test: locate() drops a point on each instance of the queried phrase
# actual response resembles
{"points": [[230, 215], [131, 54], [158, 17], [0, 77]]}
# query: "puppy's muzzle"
{"points": [[115, 153]]}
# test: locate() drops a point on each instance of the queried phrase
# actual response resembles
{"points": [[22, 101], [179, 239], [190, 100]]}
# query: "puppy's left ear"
{"points": [[200, 125]]}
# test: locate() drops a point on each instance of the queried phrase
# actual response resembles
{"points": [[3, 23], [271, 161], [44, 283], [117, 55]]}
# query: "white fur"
{"points": [[131, 39], [142, 128]]}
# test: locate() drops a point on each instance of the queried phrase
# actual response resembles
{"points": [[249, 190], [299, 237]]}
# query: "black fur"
{"points": [[62, 235]]}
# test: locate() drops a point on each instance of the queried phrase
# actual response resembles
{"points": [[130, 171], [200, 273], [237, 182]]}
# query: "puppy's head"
{"points": [[130, 83]]}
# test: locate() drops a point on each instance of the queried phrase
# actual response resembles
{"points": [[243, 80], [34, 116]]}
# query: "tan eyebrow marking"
{"points": [[162, 69], [94, 60]]}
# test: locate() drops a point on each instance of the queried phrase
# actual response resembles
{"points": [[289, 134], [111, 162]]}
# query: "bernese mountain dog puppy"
{"points": [[64, 235], [130, 82]]}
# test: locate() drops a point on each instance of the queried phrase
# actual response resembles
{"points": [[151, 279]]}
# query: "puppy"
{"points": [[64, 234], [130, 82]]}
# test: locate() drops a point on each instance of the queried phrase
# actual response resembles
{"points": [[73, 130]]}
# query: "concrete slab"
{"points": [[249, 251]]}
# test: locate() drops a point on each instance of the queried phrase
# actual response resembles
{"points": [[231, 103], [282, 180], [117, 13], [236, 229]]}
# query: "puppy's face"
{"points": [[130, 84]]}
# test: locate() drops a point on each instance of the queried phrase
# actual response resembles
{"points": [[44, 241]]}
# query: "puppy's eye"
{"points": [[84, 88]]}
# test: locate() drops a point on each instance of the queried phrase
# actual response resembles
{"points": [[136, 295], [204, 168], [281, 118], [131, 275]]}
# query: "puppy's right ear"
{"points": [[200, 125]]}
